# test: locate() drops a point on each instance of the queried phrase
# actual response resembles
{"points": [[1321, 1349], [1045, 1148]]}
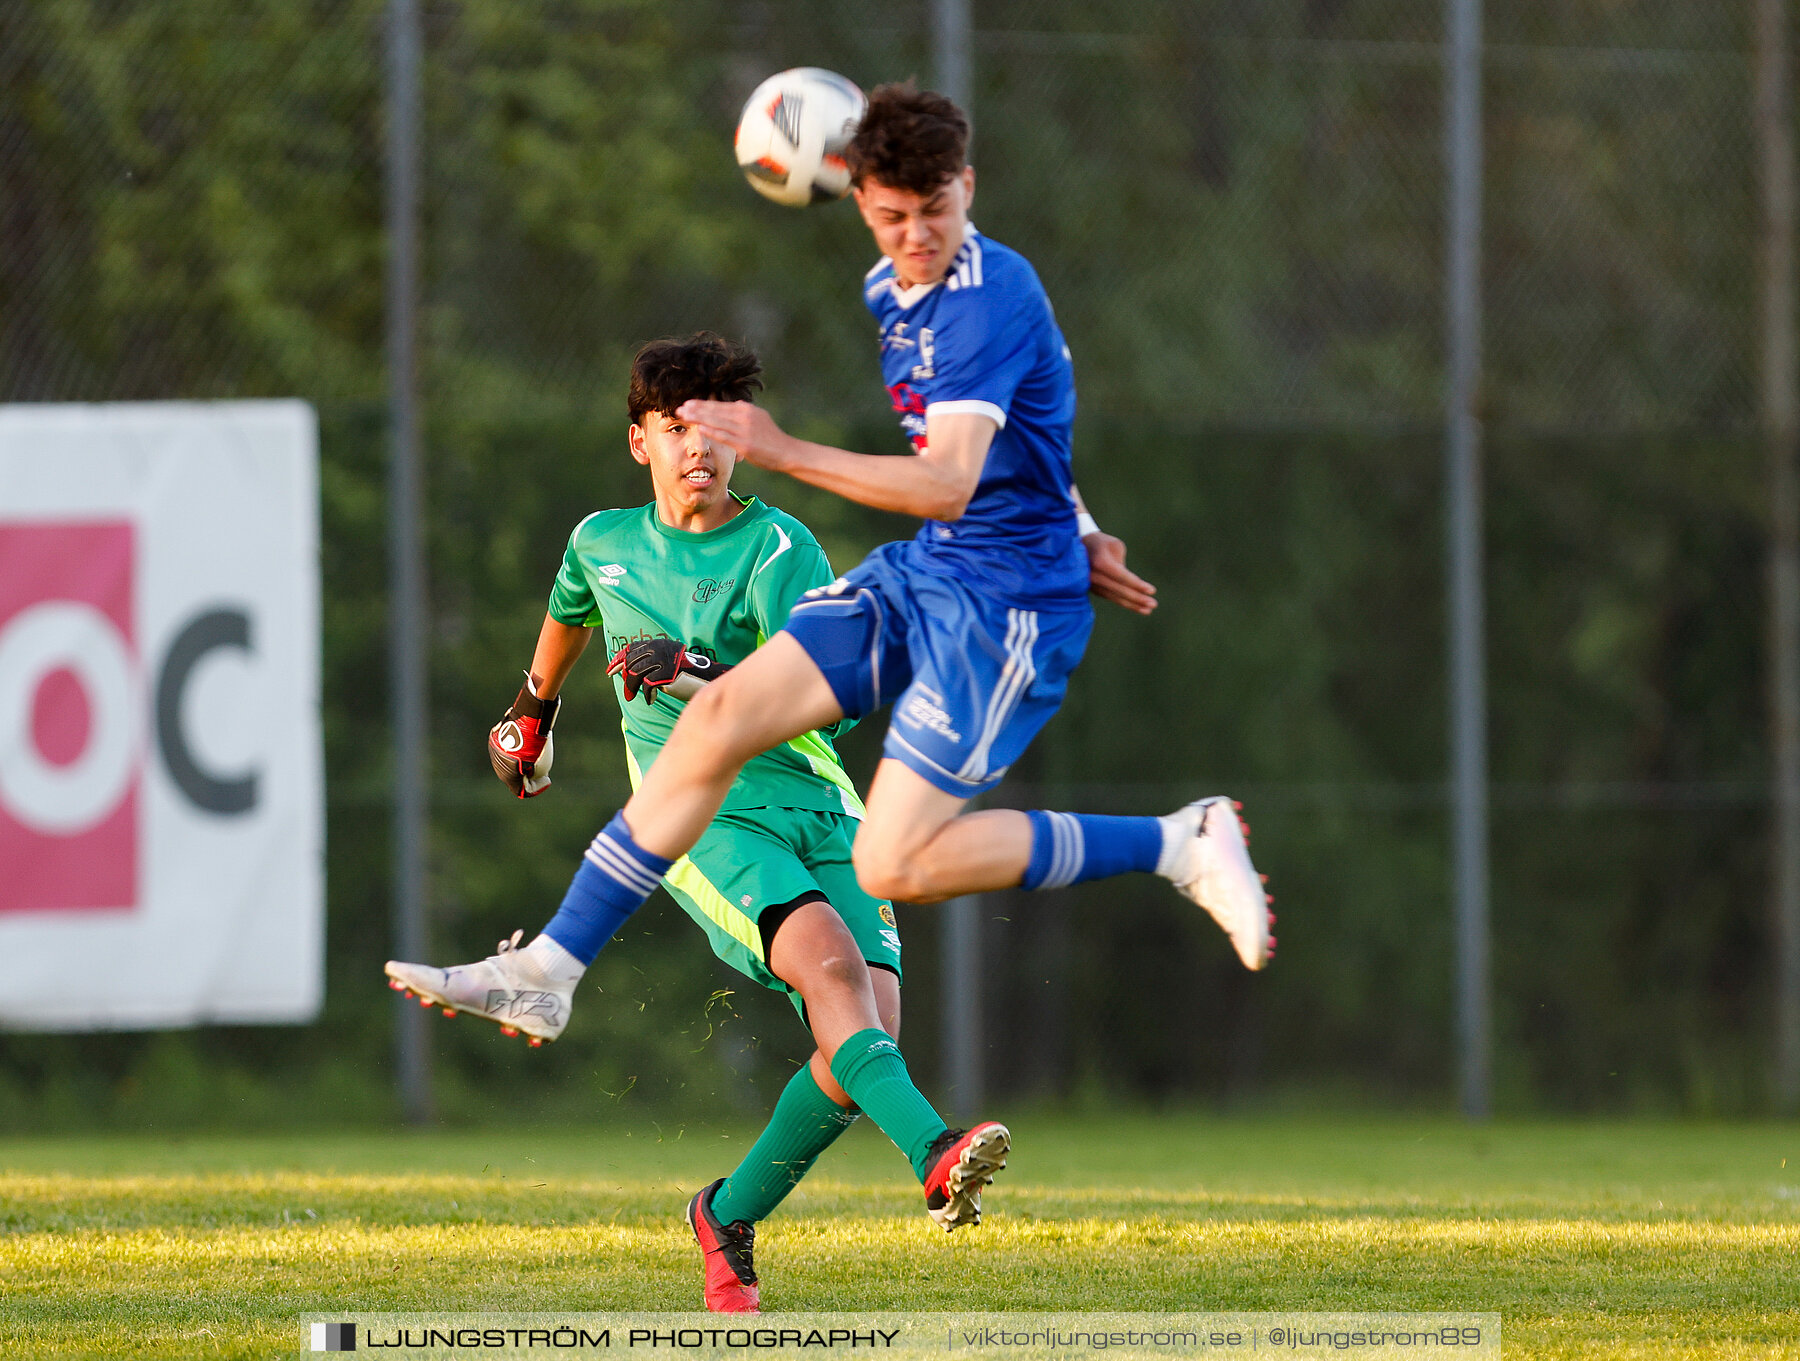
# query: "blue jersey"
{"points": [[985, 340]]}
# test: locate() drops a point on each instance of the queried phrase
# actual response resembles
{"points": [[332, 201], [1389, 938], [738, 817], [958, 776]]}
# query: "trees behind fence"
{"points": [[1239, 213]]}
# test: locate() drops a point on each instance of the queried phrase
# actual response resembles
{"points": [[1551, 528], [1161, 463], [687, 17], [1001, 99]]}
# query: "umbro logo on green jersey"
{"points": [[610, 574]]}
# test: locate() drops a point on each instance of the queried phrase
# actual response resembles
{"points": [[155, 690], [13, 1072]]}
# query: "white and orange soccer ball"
{"points": [[792, 134]]}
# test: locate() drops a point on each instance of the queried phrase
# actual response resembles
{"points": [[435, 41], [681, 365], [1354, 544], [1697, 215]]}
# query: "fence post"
{"points": [[1775, 155], [965, 1076], [406, 576], [1467, 606]]}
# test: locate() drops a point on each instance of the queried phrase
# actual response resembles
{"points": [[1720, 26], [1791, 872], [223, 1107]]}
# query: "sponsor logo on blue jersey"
{"points": [[923, 371]]}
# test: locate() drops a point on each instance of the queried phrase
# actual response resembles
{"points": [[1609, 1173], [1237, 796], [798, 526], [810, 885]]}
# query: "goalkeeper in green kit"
{"points": [[684, 588]]}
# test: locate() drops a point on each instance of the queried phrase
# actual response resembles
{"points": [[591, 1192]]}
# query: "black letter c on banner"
{"points": [[203, 634]]}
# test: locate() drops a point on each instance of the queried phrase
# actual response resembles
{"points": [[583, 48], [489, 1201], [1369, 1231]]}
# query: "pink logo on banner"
{"points": [[70, 717]]}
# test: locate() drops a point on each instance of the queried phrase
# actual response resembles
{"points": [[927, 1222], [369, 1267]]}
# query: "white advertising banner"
{"points": [[161, 796]]}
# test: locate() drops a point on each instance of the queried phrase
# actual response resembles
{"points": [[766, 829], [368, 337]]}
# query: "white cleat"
{"points": [[507, 987], [1213, 868]]}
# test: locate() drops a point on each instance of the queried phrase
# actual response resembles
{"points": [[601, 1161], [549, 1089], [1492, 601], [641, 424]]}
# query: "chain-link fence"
{"points": [[1238, 210]]}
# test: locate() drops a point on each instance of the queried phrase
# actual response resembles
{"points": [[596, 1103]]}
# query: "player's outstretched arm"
{"points": [[936, 485], [559, 647], [520, 746]]}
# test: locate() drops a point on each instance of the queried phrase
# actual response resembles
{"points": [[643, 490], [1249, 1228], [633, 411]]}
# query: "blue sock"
{"points": [[615, 877], [1071, 848]]}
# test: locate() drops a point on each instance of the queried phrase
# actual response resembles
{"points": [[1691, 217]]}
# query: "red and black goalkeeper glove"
{"points": [[652, 664], [520, 746]]}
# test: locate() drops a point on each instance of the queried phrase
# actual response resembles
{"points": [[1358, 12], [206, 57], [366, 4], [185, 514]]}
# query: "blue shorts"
{"points": [[971, 680]]}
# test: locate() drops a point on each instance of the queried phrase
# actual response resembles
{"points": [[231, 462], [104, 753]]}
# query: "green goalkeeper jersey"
{"points": [[722, 593]]}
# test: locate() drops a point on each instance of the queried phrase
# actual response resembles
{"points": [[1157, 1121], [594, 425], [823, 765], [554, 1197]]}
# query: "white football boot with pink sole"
{"points": [[1207, 857], [510, 988]]}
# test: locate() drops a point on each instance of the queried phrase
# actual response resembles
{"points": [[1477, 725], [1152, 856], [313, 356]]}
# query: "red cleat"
{"points": [[730, 1271], [962, 1162]]}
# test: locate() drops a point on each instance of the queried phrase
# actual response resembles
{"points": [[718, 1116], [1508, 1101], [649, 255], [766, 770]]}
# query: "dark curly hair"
{"points": [[666, 373], [909, 139]]}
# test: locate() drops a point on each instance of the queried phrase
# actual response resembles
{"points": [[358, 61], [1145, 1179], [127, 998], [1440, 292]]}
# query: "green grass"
{"points": [[1616, 1239]]}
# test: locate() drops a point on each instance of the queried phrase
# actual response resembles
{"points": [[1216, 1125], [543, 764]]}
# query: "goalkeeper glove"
{"points": [[520, 745], [653, 664]]}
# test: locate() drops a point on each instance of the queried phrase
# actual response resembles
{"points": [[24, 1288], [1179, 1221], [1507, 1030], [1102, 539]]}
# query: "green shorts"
{"points": [[761, 858]]}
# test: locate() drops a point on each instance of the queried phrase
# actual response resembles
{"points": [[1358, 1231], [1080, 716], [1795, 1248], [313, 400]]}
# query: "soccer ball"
{"points": [[792, 134]]}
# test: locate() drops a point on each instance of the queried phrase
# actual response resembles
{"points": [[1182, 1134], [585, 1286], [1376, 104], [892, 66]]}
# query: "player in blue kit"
{"points": [[969, 630]]}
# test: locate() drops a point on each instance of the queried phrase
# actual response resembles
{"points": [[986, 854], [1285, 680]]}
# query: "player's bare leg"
{"points": [[887, 1006], [773, 696], [815, 954], [776, 694], [854, 1012], [916, 844], [808, 1117]]}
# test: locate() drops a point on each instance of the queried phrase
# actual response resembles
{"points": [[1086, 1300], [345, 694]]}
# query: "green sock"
{"points": [[803, 1126], [869, 1067]]}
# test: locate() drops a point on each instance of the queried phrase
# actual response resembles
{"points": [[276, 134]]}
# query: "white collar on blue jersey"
{"points": [[967, 259]]}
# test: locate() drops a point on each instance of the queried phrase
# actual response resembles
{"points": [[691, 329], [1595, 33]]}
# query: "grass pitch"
{"points": [[1634, 1239]]}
